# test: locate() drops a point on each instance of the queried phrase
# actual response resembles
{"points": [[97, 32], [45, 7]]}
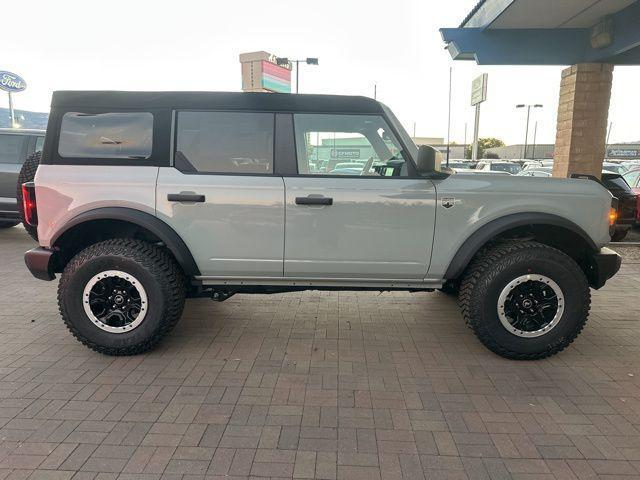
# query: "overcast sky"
{"points": [[194, 45]]}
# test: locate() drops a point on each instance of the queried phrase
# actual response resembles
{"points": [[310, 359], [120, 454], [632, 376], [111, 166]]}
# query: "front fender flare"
{"points": [[160, 229], [485, 233]]}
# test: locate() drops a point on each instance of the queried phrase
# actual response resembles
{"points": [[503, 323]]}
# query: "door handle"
{"points": [[314, 200], [185, 197]]}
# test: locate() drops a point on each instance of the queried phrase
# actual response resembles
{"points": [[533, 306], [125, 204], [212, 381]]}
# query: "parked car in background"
{"points": [[632, 177], [460, 165], [536, 172], [498, 166], [619, 168], [15, 146], [627, 203]]}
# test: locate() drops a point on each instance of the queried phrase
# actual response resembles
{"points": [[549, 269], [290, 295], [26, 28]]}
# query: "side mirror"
{"points": [[429, 160]]}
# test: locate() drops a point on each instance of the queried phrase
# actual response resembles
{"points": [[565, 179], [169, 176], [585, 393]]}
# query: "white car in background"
{"points": [[498, 166]]}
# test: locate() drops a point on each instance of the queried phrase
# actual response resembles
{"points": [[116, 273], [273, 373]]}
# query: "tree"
{"points": [[483, 145]]}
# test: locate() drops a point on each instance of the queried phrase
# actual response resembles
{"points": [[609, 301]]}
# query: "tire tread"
{"points": [[480, 265], [153, 258]]}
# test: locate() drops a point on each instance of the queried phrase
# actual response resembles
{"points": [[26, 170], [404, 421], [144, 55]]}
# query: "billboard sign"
{"points": [[10, 82], [479, 89], [275, 78], [615, 152]]}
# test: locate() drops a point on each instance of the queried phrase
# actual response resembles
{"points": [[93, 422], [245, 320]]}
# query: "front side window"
{"points": [[225, 142], [11, 148], [106, 135], [361, 145]]}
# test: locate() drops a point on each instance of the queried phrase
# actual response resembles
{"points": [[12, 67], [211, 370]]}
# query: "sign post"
{"points": [[11, 83], [478, 95]]}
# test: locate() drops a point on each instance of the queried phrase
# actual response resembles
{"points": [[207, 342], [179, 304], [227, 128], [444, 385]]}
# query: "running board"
{"points": [[378, 283]]}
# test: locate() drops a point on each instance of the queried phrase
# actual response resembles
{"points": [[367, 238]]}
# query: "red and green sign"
{"points": [[275, 77]]}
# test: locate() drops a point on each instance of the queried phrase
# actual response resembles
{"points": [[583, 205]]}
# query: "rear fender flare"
{"points": [[160, 229]]}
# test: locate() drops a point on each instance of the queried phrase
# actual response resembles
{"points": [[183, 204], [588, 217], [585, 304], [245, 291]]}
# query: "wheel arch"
{"points": [[112, 222], [546, 228]]}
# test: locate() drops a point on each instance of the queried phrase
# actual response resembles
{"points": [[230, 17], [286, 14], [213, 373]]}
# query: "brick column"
{"points": [[585, 90]]}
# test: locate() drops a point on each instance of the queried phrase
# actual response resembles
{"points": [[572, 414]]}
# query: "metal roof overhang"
{"points": [[545, 32]]}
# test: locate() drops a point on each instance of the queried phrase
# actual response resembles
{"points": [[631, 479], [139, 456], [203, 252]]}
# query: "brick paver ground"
{"points": [[314, 385]]}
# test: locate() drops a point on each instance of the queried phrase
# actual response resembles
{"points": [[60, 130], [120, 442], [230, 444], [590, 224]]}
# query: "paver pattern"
{"points": [[321, 385]]}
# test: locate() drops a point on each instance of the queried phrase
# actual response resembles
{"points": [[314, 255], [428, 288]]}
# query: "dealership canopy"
{"points": [[548, 32]]}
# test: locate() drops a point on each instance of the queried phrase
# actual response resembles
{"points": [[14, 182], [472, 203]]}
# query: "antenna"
{"points": [[449, 118]]}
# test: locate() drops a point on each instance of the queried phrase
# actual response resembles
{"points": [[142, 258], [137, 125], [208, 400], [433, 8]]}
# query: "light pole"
{"points": [[526, 130], [285, 61]]}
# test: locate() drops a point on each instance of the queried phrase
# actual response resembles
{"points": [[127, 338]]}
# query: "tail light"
{"points": [[29, 206]]}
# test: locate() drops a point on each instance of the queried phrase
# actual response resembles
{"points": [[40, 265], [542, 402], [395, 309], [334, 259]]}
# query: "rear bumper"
{"points": [[605, 264], [40, 262]]}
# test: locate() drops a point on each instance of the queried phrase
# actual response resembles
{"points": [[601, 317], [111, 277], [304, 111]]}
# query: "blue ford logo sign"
{"points": [[10, 82]]}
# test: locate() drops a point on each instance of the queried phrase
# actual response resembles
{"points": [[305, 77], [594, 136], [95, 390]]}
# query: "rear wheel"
{"points": [[8, 224], [121, 296], [27, 174], [525, 300]]}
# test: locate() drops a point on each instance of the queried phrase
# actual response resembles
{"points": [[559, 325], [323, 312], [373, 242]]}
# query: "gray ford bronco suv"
{"points": [[144, 199]]}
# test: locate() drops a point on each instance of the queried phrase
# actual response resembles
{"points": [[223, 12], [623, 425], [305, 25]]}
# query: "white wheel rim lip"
{"points": [[131, 279], [513, 284]]}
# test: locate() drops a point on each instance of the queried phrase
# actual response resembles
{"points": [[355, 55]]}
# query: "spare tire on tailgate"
{"points": [[27, 174]]}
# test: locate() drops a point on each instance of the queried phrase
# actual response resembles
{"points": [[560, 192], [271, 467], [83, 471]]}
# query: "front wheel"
{"points": [[525, 300], [121, 296]]}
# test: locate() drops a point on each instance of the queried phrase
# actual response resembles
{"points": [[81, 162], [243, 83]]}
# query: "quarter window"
{"points": [[106, 135], [225, 142], [361, 145]]}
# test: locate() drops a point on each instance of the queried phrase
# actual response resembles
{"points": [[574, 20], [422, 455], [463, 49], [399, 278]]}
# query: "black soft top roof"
{"points": [[216, 100]]}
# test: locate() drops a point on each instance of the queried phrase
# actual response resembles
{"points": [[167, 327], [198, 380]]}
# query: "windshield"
{"points": [[404, 136], [506, 167], [632, 177]]}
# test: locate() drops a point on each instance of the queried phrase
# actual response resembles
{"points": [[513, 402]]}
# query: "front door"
{"points": [[222, 197], [353, 211]]}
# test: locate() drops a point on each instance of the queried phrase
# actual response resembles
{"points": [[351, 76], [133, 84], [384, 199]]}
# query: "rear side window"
{"points": [[225, 142], [11, 148], [106, 135]]}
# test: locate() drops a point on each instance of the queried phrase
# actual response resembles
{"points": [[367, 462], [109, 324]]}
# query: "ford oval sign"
{"points": [[10, 82]]}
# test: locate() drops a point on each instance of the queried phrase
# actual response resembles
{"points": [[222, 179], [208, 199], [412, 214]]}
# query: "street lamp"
{"points": [[286, 61], [526, 131]]}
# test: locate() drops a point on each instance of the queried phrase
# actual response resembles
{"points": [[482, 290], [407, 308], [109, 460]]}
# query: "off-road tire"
{"points": [[157, 271], [9, 224], [491, 271], [27, 174]]}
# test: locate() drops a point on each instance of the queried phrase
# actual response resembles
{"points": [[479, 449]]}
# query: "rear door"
{"points": [[222, 196], [354, 211], [12, 155]]}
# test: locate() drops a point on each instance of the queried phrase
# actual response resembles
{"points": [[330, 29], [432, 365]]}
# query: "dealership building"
{"points": [[614, 151]]}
